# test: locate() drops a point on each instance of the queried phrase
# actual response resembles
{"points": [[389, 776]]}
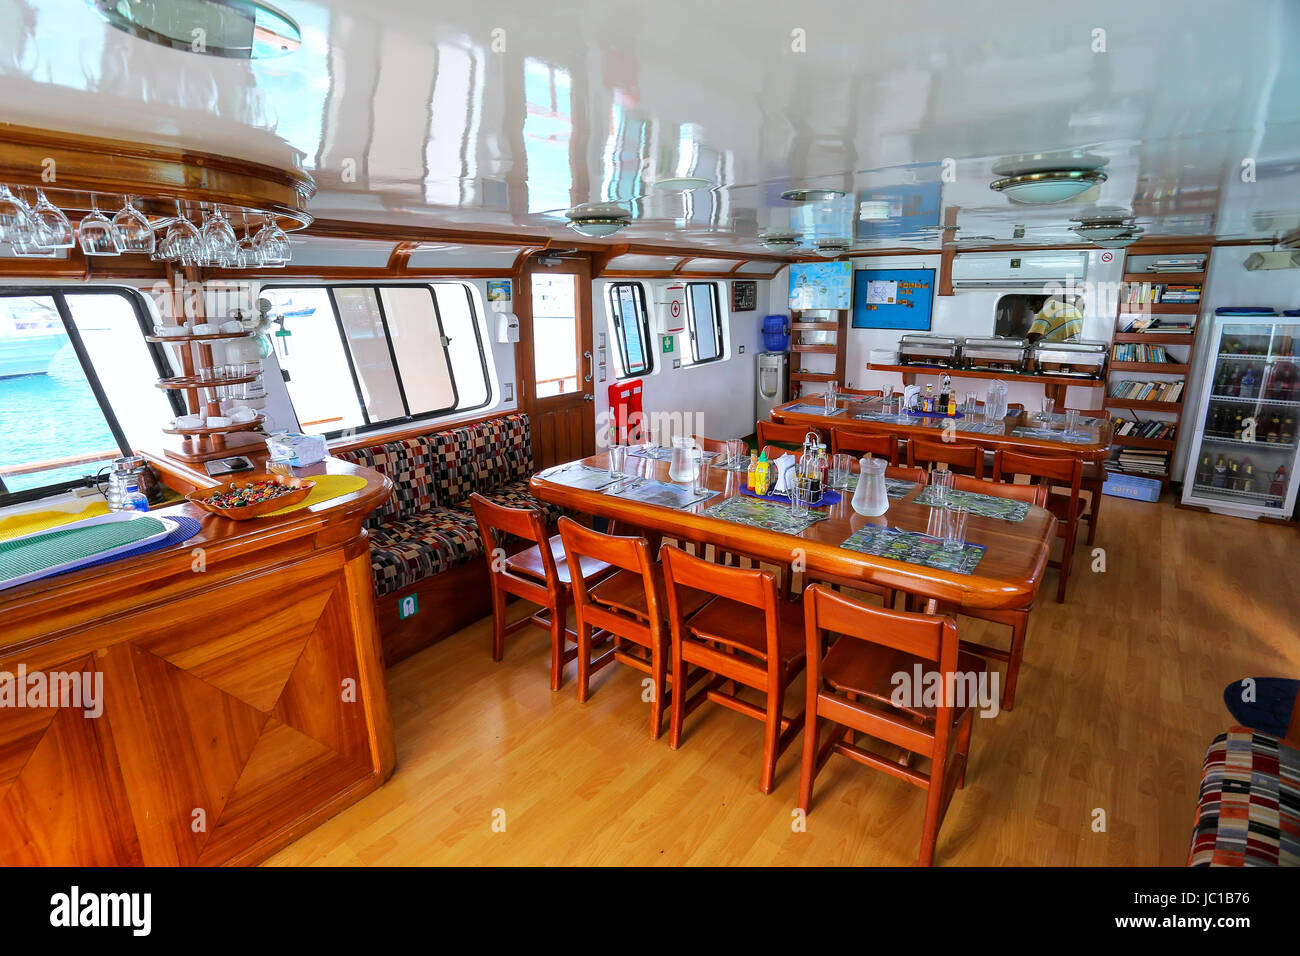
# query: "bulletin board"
{"points": [[893, 298]]}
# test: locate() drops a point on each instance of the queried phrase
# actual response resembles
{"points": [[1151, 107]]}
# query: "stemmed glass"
{"points": [[182, 241], [15, 217], [247, 255], [133, 229], [272, 242], [55, 230], [97, 234], [219, 244]]}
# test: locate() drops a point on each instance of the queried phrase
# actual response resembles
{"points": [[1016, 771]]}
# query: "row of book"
{"points": [[1149, 429], [1140, 293], [1142, 461], [1194, 263], [1160, 323], [1147, 391], [1132, 352]]}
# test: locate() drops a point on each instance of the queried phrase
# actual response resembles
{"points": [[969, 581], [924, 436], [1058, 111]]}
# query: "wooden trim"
{"points": [[948, 252], [413, 431]]}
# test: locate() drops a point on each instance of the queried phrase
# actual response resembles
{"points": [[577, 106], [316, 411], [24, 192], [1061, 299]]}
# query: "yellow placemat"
{"points": [[327, 487], [34, 521]]}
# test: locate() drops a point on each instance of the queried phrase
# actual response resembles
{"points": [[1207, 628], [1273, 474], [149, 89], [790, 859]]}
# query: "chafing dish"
{"points": [[1080, 359], [936, 351], [995, 354]]}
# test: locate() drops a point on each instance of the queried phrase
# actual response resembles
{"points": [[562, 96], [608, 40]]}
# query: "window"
{"points": [[368, 356], [555, 334], [77, 386], [703, 322], [631, 325]]}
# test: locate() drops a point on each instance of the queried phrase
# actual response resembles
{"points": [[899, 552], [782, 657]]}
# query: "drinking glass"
{"points": [[219, 242], [1071, 421], [134, 233], [617, 460], [972, 406], [98, 236], [935, 522], [830, 399], [182, 240], [841, 468], [800, 487], [735, 448], [280, 466], [942, 482], [272, 243], [56, 232], [1049, 406], [886, 396], [15, 217], [954, 527], [700, 470]]}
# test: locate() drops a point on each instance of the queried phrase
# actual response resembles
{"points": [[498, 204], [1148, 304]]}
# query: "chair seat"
{"points": [[743, 626], [515, 494], [529, 561], [406, 550], [856, 667], [625, 591], [1247, 813]]}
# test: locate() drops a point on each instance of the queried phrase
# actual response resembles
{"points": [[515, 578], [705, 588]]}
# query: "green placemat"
{"points": [[662, 493], [579, 475], [758, 513], [894, 487], [1051, 434], [914, 548], [986, 506], [41, 552]]}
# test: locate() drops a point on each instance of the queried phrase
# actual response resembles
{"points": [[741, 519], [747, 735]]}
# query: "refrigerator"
{"points": [[1244, 458]]}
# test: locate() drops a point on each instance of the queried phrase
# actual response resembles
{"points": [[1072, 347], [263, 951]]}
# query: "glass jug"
{"points": [[682, 466], [870, 498]]}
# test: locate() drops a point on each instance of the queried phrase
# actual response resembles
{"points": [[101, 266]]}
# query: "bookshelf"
{"points": [[813, 333], [1162, 291]]}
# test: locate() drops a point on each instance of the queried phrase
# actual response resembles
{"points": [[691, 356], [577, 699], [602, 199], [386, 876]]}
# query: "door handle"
{"points": [[590, 370], [588, 398]]}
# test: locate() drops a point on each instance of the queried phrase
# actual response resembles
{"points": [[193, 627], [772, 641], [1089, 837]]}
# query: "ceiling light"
{"points": [[873, 210], [830, 248], [683, 183], [811, 195], [1118, 242], [235, 29], [779, 241], [1095, 231], [1056, 185], [598, 220]]}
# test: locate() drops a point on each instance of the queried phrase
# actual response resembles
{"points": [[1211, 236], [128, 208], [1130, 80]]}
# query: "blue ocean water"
{"points": [[51, 416]]}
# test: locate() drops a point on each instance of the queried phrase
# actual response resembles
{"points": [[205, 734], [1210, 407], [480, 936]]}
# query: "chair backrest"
{"points": [[876, 444], [928, 637], [713, 444], [494, 522], [751, 586], [1044, 469], [955, 455], [777, 433], [629, 553], [914, 475], [1034, 494]]}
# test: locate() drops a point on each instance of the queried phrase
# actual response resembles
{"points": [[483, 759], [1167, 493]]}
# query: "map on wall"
{"points": [[892, 298], [821, 285]]}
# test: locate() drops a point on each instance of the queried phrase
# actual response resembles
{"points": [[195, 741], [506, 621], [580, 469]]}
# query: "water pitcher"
{"points": [[870, 498]]}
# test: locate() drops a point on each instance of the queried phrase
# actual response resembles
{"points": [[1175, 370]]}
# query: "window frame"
{"points": [[616, 320], [408, 418], [692, 325], [143, 318]]}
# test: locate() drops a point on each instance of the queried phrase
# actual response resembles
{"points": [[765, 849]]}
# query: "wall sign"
{"points": [[407, 606], [667, 344], [744, 295], [821, 285], [893, 298]]}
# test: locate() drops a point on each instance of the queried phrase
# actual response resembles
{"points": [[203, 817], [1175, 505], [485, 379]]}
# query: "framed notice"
{"points": [[821, 285], [744, 295], [893, 298]]}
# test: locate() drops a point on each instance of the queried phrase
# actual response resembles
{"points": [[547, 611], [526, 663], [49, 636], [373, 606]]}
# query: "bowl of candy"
{"points": [[253, 496]]}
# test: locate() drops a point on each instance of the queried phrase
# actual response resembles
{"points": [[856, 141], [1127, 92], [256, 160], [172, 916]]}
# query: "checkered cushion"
{"points": [[406, 550], [503, 449], [453, 456], [1249, 810], [515, 494], [410, 465]]}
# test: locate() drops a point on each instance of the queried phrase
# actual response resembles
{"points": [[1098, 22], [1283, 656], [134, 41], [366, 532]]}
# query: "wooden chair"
{"points": [[914, 475], [1047, 470], [869, 392], [745, 635], [1034, 494], [539, 574], [630, 604], [968, 459], [856, 443], [850, 687], [1094, 476], [789, 437]]}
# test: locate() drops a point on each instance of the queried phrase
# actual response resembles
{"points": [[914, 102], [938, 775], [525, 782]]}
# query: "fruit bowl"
{"points": [[224, 499]]}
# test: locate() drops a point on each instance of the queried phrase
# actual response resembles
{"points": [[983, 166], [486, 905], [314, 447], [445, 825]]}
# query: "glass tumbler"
{"points": [[617, 460], [954, 527], [800, 488]]}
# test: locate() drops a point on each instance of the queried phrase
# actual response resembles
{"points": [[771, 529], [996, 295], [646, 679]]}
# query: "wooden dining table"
{"points": [[1007, 576], [1093, 446]]}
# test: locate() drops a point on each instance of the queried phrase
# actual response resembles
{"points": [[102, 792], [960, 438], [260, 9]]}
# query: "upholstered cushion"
{"points": [[1249, 809], [503, 449], [453, 456], [405, 550], [410, 465], [515, 494]]}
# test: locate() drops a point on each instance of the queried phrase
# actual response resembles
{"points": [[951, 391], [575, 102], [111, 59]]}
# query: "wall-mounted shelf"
{"points": [[838, 327]]}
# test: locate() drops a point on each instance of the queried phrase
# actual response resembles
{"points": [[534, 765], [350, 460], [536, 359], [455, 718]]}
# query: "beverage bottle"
{"points": [[1274, 431], [1220, 477], [1234, 384], [1204, 470], [1248, 384], [1288, 430], [927, 402], [1234, 475], [1237, 427], [945, 392], [1248, 477], [1277, 487]]}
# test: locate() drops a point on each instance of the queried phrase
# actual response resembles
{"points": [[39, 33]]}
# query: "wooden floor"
{"points": [[1120, 693]]}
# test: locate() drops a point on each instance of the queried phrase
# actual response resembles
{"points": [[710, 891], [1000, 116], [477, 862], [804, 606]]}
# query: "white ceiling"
{"points": [[410, 112]]}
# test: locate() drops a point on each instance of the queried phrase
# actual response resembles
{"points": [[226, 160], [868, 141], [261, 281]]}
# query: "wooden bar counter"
{"points": [[243, 698]]}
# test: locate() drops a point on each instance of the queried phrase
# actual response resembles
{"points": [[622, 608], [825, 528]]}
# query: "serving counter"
{"points": [[232, 692]]}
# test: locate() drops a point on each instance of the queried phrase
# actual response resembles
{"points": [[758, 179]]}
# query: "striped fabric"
{"points": [[1249, 809]]}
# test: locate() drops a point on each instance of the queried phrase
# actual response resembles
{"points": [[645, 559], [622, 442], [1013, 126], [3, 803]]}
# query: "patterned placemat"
{"points": [[34, 521], [578, 475], [44, 551], [803, 408], [984, 428], [914, 548], [883, 417], [661, 493], [827, 499], [986, 506], [327, 487], [185, 529], [758, 513], [1051, 434], [894, 487], [1059, 419]]}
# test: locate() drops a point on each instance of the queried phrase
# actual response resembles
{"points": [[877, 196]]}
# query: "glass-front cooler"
{"points": [[1244, 456]]}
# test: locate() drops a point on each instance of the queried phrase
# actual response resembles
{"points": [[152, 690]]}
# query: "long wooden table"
{"points": [[1008, 576], [1095, 449]]}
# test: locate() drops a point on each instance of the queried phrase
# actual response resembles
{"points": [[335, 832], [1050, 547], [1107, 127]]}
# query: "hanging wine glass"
{"points": [[56, 231], [35, 242], [247, 256], [268, 242], [15, 218], [219, 242], [98, 236], [182, 240], [133, 229]]}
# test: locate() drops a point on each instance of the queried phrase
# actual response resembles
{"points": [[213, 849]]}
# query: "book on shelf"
{"points": [[1135, 391], [1141, 461], [1157, 293], [1129, 428], [1133, 352]]}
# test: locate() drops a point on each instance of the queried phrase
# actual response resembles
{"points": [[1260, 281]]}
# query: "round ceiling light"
{"points": [[1118, 242], [596, 220], [235, 29], [780, 241], [811, 195], [1049, 186], [1099, 230], [830, 248]]}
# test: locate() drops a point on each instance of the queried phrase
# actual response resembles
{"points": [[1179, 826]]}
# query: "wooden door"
{"points": [[556, 359]]}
